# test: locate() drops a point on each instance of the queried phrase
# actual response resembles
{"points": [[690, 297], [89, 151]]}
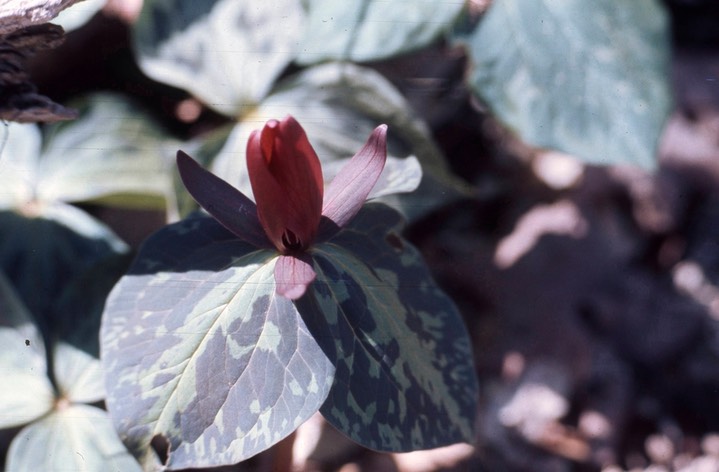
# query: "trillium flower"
{"points": [[293, 210]]}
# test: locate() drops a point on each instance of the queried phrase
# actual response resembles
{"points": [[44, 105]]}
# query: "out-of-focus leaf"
{"points": [[339, 105], [373, 29], [40, 254], [76, 314], [113, 154], [398, 175], [79, 14], [225, 52], [404, 376], [78, 375], [26, 393], [21, 14], [76, 437], [18, 164], [587, 78], [199, 350]]}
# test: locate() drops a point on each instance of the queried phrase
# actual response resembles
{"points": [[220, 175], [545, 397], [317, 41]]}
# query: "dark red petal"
{"points": [[286, 180], [293, 275], [230, 207], [349, 189]]}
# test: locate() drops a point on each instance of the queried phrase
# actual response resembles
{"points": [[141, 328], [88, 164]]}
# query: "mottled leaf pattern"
{"points": [[200, 350], [404, 375], [225, 52], [587, 78]]}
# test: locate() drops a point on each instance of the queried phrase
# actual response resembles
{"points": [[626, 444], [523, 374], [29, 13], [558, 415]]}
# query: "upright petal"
{"points": [[230, 207], [348, 191], [293, 275], [286, 180]]}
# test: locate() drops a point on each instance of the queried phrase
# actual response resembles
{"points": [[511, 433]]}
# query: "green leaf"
{"points": [[40, 254], [587, 78], [77, 437], [372, 29], [339, 105], [201, 354], [225, 52], [404, 376], [113, 154], [22, 363]]}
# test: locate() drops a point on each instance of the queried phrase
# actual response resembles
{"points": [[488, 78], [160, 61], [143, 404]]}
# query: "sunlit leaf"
{"points": [[339, 105], [18, 164], [225, 52], [79, 14], [404, 375], [114, 154], [373, 29], [199, 351], [587, 78], [78, 375], [77, 438], [26, 393]]}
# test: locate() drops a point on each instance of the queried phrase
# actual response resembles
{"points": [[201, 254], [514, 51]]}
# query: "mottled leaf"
{"points": [[348, 102], [114, 153], [75, 437], [226, 53], [22, 363], [200, 353], [587, 78], [372, 29], [404, 376]]}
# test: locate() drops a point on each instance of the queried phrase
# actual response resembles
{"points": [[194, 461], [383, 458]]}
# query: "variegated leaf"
{"points": [[202, 355], [226, 53], [404, 376]]}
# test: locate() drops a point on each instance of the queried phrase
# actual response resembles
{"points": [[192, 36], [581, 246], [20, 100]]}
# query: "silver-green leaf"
{"points": [[339, 105], [23, 363], [200, 353], [225, 52], [372, 29], [75, 437], [587, 78]]}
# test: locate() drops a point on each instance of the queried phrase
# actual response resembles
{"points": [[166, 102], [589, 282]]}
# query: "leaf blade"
{"points": [[404, 378], [205, 337], [591, 83]]}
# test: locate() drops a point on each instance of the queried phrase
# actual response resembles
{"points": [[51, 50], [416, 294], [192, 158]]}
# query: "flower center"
{"points": [[290, 241]]}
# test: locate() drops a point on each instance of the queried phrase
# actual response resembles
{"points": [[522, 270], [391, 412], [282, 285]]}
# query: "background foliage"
{"points": [[589, 289]]}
